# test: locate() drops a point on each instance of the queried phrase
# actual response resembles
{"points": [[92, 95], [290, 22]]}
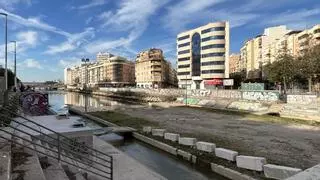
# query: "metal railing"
{"points": [[100, 163]]}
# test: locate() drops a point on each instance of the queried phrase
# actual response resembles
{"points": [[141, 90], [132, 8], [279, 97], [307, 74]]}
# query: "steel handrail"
{"points": [[48, 142], [54, 131], [33, 149]]}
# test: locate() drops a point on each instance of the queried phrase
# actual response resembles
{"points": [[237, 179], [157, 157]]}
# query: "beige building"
{"points": [[308, 37], [203, 55], [153, 71], [234, 63], [262, 49], [108, 71]]}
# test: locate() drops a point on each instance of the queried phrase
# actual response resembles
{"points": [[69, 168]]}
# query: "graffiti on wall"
{"points": [[191, 101], [230, 94], [261, 95], [252, 86], [302, 99], [34, 103]]}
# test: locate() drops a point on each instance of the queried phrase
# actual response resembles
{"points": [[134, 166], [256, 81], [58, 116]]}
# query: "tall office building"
{"points": [[203, 56]]}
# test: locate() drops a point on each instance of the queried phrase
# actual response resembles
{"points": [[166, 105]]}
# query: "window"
{"points": [[183, 37], [183, 73], [184, 66], [212, 71], [184, 59], [213, 29], [196, 54], [212, 63], [213, 38], [303, 36], [213, 46], [213, 55], [184, 52], [316, 31], [184, 44]]}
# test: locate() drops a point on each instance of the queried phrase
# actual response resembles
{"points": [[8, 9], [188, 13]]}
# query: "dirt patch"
{"points": [[282, 141]]}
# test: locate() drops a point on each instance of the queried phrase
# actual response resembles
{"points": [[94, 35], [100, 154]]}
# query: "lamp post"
{"points": [[6, 51], [85, 60], [15, 63]]}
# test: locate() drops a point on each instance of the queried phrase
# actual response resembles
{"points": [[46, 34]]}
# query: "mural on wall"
{"points": [[252, 86], [261, 95], [191, 101], [34, 103]]}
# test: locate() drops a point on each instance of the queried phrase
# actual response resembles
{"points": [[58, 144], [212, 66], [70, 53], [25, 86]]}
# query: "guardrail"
{"points": [[86, 156]]}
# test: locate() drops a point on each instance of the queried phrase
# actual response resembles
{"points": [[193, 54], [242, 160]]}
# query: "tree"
{"points": [[238, 77], [10, 77]]}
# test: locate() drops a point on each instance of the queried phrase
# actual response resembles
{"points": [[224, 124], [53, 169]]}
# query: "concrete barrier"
{"points": [[226, 154], [279, 172], [312, 173], [206, 146], [147, 129], [155, 143], [229, 173], [251, 162], [187, 141], [158, 132], [171, 136], [185, 155]]}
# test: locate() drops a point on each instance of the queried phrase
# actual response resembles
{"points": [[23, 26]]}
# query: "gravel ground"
{"points": [[292, 145]]}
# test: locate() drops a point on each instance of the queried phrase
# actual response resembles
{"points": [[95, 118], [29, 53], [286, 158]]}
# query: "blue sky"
{"points": [[54, 34]]}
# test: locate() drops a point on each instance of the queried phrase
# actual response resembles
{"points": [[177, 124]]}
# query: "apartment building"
{"points": [[153, 71], [108, 71], [203, 55], [234, 63], [262, 49], [308, 37]]}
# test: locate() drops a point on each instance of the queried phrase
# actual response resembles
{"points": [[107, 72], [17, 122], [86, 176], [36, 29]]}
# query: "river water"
{"points": [[163, 163]]}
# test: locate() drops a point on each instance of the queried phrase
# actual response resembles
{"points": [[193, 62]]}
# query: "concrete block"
{"points": [[312, 173], [187, 141], [206, 146], [171, 136], [251, 162], [279, 172], [187, 156], [147, 129], [226, 154], [193, 159], [229, 173], [158, 132]]}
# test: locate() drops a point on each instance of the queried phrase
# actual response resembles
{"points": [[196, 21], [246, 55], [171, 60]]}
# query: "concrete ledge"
{"points": [[206, 146], [158, 132], [147, 129], [229, 173], [171, 136], [187, 141], [251, 162], [226, 154], [279, 172], [160, 145], [187, 156], [312, 173]]}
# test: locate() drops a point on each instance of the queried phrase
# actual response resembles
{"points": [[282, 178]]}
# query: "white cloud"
{"points": [[30, 63], [28, 37], [34, 22], [188, 11], [69, 62], [9, 4], [132, 16], [91, 4], [73, 42]]}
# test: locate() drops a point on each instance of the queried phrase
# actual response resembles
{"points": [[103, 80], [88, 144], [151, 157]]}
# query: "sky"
{"points": [[54, 34]]}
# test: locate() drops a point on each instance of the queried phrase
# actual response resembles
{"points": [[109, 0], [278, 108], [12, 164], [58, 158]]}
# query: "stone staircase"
{"points": [[34, 159]]}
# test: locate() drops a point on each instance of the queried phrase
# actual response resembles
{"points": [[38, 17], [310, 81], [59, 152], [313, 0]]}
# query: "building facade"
{"points": [[110, 70], [307, 38], [234, 63], [203, 55], [153, 71]]}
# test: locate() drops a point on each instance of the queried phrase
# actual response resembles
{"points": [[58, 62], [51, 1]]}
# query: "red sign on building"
{"points": [[213, 82]]}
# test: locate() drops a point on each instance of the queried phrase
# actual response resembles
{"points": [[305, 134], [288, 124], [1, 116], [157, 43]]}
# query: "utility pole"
{"points": [[15, 64]]}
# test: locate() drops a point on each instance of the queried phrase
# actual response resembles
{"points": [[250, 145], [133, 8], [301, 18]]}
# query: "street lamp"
{"points": [[15, 63], [85, 60], [6, 51]]}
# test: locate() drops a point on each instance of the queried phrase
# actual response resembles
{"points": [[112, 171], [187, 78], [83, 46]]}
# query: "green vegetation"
{"points": [[254, 117], [122, 119]]}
